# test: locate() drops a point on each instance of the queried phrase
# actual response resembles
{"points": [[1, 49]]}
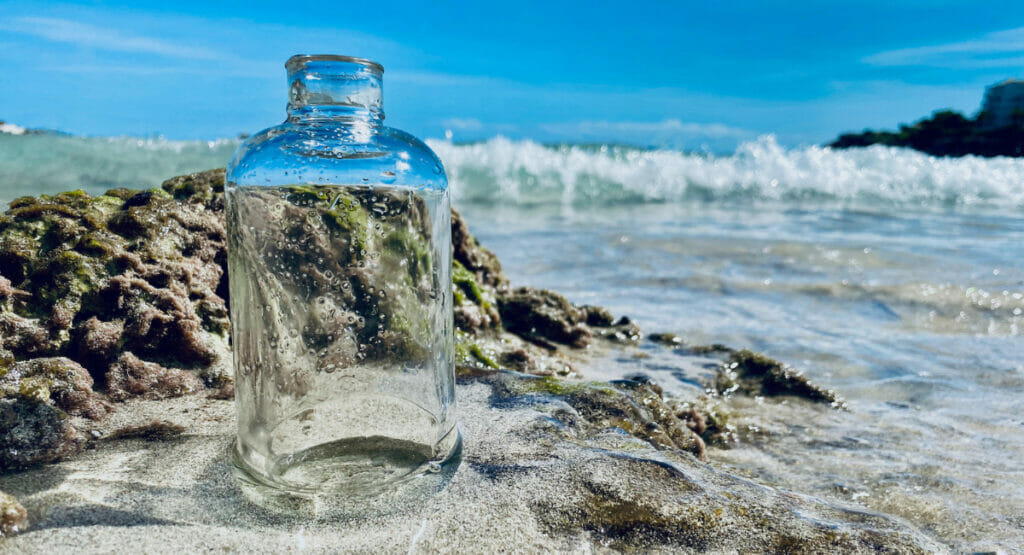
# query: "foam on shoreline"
{"points": [[527, 173]]}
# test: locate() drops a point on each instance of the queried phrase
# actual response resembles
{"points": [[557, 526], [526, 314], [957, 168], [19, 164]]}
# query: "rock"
{"points": [[539, 314], [518, 360], [755, 374], [33, 432], [716, 348], [468, 252], [598, 316], [667, 339], [546, 318], [708, 417], [57, 381], [473, 303], [588, 483], [27, 337], [624, 331], [13, 517], [206, 188], [635, 406], [643, 504], [88, 277], [476, 278], [225, 393], [130, 376], [96, 343], [128, 291]]}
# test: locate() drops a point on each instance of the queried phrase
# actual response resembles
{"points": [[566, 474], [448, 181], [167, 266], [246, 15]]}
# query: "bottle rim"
{"points": [[299, 60]]}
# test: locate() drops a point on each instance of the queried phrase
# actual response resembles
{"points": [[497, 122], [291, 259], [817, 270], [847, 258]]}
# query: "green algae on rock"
{"points": [[125, 271], [124, 295], [122, 292], [57, 381], [755, 374], [748, 373]]}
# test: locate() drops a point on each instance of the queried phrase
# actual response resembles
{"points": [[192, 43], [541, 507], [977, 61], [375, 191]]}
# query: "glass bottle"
{"points": [[339, 262]]}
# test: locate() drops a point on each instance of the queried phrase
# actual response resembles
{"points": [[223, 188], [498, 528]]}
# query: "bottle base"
{"points": [[356, 477]]}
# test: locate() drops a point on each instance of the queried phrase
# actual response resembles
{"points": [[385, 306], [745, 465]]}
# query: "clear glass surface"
{"points": [[339, 261]]}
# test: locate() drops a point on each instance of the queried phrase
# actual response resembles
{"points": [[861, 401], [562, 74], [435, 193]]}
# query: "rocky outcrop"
{"points": [[33, 432], [745, 372], [946, 133], [124, 295], [102, 298], [92, 277]]}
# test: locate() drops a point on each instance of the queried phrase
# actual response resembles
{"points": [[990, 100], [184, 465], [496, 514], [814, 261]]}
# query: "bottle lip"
{"points": [[299, 60]]}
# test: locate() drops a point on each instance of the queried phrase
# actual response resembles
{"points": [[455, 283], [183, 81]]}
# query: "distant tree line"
{"points": [[947, 133]]}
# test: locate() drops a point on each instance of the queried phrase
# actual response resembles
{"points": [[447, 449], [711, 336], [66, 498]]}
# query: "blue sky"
{"points": [[692, 75]]}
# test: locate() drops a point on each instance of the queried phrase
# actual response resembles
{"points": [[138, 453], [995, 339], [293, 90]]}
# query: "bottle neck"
{"points": [[334, 88]]}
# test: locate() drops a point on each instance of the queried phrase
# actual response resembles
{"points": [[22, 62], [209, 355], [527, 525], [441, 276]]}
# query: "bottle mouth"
{"points": [[300, 61]]}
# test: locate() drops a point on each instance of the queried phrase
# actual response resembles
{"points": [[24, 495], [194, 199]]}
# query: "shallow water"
{"points": [[915, 316], [892, 276]]}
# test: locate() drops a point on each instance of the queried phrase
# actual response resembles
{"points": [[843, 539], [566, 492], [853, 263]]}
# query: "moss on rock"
{"points": [[58, 381], [755, 374]]}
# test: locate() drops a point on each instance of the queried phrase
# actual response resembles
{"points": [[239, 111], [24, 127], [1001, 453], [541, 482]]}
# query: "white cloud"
{"points": [[463, 124], [1001, 49], [673, 128], [84, 34]]}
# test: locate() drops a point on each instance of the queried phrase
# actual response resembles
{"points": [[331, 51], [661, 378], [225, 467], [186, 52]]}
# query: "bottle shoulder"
{"points": [[334, 153]]}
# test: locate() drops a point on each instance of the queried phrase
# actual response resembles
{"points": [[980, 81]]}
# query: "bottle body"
{"points": [[339, 262]]}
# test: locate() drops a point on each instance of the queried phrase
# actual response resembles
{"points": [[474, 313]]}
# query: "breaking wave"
{"points": [[529, 173], [760, 170]]}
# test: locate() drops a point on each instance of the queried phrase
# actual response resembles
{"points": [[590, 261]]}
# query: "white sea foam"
{"points": [[12, 129], [524, 171]]}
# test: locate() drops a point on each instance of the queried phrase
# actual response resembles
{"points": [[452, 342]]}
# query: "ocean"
{"points": [[892, 276]]}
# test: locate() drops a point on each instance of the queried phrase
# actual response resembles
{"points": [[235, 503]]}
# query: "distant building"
{"points": [[1003, 104]]}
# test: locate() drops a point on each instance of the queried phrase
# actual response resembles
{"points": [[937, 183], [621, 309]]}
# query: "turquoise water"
{"points": [[892, 276]]}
